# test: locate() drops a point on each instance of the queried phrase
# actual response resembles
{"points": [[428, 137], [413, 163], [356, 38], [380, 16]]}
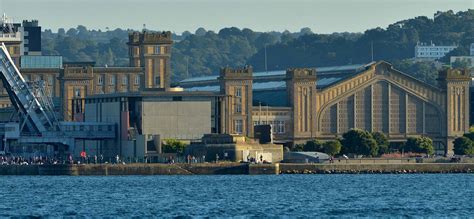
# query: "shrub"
{"points": [[313, 145], [332, 147], [419, 145], [463, 146], [382, 142], [173, 146], [358, 141]]}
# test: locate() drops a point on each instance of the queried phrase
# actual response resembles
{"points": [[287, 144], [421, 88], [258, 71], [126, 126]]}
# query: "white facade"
{"points": [[468, 59], [9, 34], [424, 51]]}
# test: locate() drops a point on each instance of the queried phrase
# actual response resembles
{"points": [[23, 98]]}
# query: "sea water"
{"points": [[425, 195]]}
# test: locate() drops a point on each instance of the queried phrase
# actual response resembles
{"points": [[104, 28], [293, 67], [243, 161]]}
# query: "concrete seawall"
{"points": [[232, 168]]}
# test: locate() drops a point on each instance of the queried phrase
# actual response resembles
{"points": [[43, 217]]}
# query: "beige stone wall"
{"points": [[385, 100], [237, 110], [279, 117], [383, 107], [184, 120]]}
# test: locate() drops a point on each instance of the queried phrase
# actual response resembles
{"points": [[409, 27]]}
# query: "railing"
{"points": [[130, 160]]}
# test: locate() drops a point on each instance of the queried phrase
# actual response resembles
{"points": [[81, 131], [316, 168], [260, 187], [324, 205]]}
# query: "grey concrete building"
{"points": [[146, 118]]}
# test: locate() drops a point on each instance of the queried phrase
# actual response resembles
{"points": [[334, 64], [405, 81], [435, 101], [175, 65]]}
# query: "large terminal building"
{"points": [[299, 103]]}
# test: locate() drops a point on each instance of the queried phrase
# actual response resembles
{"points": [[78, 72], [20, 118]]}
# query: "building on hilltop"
{"points": [[431, 51], [471, 49]]}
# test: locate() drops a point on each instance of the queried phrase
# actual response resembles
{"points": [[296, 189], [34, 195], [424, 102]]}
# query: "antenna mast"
{"points": [[266, 67], [372, 49]]}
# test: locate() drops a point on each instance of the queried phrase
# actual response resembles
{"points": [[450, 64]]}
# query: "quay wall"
{"points": [[231, 168]]}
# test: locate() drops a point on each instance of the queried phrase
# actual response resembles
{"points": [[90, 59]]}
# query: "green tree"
{"points": [[470, 134], [298, 147], [425, 70], [382, 142], [461, 63], [358, 141], [173, 146], [419, 145], [463, 146], [332, 147], [313, 145]]}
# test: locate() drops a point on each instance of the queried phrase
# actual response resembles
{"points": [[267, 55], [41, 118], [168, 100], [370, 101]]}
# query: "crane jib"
{"points": [[36, 117]]}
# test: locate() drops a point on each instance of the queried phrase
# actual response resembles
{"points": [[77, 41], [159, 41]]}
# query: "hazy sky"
{"points": [[322, 16]]}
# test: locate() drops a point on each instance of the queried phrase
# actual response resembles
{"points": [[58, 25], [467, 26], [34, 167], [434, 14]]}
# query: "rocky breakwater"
{"points": [[376, 168]]}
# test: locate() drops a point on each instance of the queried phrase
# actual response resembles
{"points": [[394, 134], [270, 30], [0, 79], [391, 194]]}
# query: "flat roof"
{"points": [[156, 93], [29, 61]]}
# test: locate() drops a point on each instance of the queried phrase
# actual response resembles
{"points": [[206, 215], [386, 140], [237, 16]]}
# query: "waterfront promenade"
{"points": [[235, 168]]}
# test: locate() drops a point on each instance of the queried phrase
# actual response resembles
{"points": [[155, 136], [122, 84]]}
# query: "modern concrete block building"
{"points": [[146, 118]]}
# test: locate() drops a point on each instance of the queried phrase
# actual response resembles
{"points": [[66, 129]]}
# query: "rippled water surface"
{"points": [[443, 195]]}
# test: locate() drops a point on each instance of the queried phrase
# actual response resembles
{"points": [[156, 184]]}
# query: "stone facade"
{"points": [[236, 85], [70, 84], [301, 89], [152, 51], [379, 98], [385, 100]]}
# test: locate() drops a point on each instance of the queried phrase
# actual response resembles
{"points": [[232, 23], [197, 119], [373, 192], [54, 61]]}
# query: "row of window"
{"points": [[49, 78], [113, 80], [432, 53], [278, 126], [434, 49], [100, 80], [238, 99], [159, 50]]}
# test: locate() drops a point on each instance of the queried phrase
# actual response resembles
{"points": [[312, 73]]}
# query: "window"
{"points": [[137, 79], [77, 92], [238, 126], [50, 80], [125, 80], [238, 92], [159, 50], [112, 80], [100, 80], [238, 100], [280, 127], [238, 108], [157, 81]]}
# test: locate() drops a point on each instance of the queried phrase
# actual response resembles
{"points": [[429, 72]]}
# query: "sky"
{"points": [[322, 16]]}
